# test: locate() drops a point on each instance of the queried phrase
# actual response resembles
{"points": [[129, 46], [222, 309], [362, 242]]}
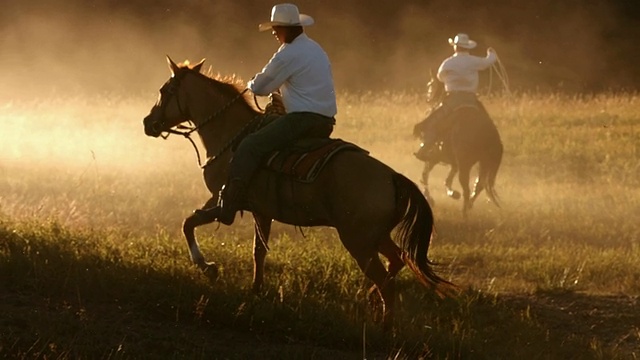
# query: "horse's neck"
{"points": [[217, 131]]}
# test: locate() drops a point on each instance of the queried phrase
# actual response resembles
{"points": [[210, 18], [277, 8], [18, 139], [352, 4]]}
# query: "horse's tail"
{"points": [[413, 234]]}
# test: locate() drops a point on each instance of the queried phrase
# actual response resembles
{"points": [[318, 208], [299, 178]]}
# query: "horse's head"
{"points": [[170, 109]]}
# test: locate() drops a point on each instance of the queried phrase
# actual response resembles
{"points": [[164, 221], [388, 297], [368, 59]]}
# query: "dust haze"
{"points": [[94, 68], [62, 47]]}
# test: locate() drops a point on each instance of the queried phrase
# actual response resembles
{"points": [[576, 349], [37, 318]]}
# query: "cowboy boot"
{"points": [[233, 195], [430, 138], [424, 151]]}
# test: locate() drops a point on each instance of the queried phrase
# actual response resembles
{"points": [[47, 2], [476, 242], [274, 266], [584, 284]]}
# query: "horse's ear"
{"points": [[172, 66], [197, 66], [431, 73]]}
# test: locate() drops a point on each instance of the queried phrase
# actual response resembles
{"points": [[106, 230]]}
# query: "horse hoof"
{"points": [[453, 194], [210, 269], [256, 289]]}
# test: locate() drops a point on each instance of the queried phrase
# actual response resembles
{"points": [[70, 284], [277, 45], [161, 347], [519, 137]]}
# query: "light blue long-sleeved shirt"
{"points": [[459, 72], [302, 72]]}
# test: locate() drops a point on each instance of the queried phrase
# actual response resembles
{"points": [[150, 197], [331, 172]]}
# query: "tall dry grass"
{"points": [[91, 212]]}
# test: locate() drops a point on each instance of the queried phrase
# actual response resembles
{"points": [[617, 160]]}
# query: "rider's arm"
{"points": [[272, 76], [485, 62]]}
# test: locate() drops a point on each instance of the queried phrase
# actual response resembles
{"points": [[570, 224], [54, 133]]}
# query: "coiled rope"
{"points": [[501, 72]]}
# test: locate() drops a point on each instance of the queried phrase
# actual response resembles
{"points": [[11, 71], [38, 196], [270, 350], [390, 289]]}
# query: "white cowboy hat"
{"points": [[286, 15], [463, 41]]}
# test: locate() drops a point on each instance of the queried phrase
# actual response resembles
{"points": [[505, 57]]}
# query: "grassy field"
{"points": [[93, 264]]}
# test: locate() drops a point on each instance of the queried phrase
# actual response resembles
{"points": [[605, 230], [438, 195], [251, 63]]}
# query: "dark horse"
{"points": [[364, 199], [472, 138]]}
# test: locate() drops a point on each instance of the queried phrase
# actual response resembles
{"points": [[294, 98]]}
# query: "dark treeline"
{"points": [[589, 45]]}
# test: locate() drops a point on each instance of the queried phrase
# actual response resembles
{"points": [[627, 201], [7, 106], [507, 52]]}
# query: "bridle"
{"points": [[186, 131], [170, 91]]}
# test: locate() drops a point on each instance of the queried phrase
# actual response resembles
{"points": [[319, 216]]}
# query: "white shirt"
{"points": [[460, 71], [302, 72]]}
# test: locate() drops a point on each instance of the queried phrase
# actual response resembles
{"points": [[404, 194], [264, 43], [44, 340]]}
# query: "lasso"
{"points": [[501, 72]]}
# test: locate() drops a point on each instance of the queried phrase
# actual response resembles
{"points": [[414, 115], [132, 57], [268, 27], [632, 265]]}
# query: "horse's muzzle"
{"points": [[151, 127]]}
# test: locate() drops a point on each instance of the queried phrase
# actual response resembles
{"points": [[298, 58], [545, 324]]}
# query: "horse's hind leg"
{"points": [[262, 227], [463, 177], [198, 218], [478, 187], [393, 253], [449, 181], [364, 250]]}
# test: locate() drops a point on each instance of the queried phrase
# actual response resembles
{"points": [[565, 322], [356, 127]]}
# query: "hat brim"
{"points": [[470, 45], [303, 20]]}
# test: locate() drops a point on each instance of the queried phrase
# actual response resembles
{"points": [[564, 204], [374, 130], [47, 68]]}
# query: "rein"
{"points": [[255, 100], [236, 139]]}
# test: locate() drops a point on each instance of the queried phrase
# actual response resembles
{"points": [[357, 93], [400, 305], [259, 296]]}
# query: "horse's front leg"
{"points": [[262, 227], [449, 181], [200, 217]]}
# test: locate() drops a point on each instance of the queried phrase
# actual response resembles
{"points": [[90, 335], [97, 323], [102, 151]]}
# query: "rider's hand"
{"points": [[275, 105]]}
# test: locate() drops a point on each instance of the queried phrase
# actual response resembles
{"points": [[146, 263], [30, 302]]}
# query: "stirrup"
{"points": [[226, 217], [230, 199]]}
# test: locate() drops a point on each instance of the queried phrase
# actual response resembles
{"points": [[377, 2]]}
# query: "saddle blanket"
{"points": [[306, 158]]}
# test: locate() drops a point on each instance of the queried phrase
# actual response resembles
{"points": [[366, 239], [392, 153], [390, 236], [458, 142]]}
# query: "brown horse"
{"points": [[364, 199], [472, 139]]}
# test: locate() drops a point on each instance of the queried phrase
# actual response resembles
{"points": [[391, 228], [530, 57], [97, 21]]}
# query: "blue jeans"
{"points": [[276, 135]]}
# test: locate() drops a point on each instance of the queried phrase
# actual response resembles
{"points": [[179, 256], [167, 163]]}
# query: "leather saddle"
{"points": [[307, 157], [304, 160]]}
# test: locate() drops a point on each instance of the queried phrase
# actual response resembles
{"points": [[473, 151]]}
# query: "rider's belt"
{"points": [[332, 119]]}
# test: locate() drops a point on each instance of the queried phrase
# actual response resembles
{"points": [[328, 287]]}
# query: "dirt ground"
{"points": [[614, 320]]}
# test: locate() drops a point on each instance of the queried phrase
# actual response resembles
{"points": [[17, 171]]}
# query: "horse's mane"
{"points": [[230, 85]]}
